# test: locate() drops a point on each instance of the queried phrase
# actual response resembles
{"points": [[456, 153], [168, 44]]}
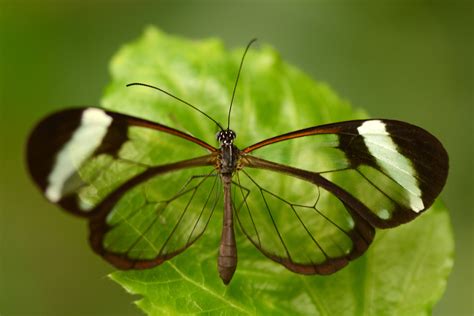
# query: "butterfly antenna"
{"points": [[177, 98], [237, 80]]}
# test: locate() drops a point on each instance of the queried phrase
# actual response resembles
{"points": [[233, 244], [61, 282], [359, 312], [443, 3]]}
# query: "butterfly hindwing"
{"points": [[296, 223], [156, 219]]}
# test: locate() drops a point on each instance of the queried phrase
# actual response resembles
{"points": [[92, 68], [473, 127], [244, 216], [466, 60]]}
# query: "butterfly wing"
{"points": [[348, 177], [394, 168], [133, 179], [148, 220], [296, 223]]}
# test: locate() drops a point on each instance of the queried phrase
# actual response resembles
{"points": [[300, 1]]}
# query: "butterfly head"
{"points": [[226, 137]]}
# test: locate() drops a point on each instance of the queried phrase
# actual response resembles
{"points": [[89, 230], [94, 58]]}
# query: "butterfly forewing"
{"points": [[298, 224], [394, 169], [79, 156]]}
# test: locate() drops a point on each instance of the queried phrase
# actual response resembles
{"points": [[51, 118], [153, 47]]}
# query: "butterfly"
{"points": [[312, 216]]}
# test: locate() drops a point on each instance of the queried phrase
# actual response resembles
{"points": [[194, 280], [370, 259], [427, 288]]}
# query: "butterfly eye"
{"points": [[220, 136]]}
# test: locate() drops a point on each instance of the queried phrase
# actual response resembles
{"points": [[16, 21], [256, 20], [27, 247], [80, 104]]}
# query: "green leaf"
{"points": [[404, 272]]}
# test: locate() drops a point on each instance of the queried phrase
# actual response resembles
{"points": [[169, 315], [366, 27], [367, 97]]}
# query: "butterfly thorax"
{"points": [[229, 153]]}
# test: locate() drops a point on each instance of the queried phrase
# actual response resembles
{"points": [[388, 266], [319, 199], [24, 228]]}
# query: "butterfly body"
{"points": [[227, 164]]}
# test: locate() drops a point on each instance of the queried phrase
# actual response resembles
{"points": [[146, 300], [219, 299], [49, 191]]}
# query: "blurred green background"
{"points": [[407, 60]]}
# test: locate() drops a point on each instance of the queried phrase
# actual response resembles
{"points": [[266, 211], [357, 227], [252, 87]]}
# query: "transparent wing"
{"points": [[394, 169], [296, 223], [147, 189], [156, 219]]}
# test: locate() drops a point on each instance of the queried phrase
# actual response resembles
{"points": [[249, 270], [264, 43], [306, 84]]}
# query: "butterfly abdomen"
{"points": [[227, 259]]}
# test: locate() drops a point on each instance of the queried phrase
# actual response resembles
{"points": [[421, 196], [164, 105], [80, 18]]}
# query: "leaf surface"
{"points": [[405, 270]]}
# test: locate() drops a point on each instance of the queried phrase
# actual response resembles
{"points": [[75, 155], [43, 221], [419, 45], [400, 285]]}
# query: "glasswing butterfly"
{"points": [[96, 164]]}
